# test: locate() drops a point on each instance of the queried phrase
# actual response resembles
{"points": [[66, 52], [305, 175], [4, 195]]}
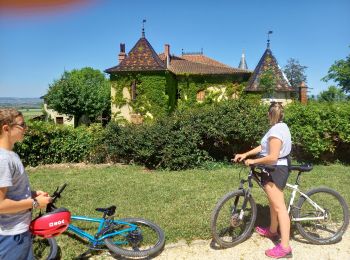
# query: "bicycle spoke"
{"points": [[333, 216], [145, 240], [228, 224]]}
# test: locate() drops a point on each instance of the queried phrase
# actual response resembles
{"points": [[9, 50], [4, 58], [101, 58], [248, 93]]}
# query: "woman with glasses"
{"points": [[16, 197]]}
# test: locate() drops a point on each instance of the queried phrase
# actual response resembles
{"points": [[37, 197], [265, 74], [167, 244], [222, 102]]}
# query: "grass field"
{"points": [[29, 113], [180, 202]]}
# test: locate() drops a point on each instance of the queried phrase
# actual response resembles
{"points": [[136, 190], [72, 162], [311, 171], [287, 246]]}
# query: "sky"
{"points": [[38, 44]]}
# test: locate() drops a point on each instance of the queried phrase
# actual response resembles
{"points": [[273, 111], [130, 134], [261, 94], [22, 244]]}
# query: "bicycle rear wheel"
{"points": [[230, 223], [45, 248], [335, 219], [147, 240]]}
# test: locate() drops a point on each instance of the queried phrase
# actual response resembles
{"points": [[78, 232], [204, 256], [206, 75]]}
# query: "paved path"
{"points": [[253, 248]]}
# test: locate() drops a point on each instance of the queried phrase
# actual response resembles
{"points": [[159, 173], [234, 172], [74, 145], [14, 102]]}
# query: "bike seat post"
{"points": [[298, 178]]}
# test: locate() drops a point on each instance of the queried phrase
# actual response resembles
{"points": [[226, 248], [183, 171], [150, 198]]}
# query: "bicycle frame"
{"points": [[291, 202], [104, 225], [254, 175]]}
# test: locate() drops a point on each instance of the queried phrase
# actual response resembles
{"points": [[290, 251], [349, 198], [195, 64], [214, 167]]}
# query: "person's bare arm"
{"points": [[12, 206], [274, 151], [8, 206], [243, 156]]}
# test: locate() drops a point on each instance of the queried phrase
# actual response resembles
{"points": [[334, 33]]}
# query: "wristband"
{"points": [[35, 203]]}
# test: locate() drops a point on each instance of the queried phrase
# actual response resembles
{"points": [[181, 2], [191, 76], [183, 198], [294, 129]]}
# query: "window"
{"points": [[200, 95], [59, 120]]}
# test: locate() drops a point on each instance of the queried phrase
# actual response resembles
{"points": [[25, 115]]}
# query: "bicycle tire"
{"points": [[45, 248], [308, 229], [230, 220], [148, 248]]}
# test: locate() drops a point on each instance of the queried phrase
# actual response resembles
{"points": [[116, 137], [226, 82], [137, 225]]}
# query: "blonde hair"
{"points": [[8, 116], [276, 113]]}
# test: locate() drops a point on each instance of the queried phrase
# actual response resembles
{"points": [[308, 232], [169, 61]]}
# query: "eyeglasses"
{"points": [[22, 125]]}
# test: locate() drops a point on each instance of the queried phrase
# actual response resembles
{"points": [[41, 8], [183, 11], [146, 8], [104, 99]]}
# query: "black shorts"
{"points": [[278, 176]]}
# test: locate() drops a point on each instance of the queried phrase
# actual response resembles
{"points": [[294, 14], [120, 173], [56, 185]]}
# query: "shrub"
{"points": [[320, 131], [160, 145], [46, 143], [189, 137]]}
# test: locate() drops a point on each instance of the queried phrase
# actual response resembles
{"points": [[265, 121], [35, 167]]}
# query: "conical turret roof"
{"points": [[243, 64], [268, 61], [141, 57]]}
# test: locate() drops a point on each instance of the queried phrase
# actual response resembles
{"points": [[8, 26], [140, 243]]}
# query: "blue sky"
{"points": [[36, 48]]}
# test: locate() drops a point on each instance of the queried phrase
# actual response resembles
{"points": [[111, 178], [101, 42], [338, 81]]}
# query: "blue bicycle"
{"points": [[128, 237]]}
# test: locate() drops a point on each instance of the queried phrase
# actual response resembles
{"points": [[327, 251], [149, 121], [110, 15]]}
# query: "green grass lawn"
{"points": [[180, 202]]}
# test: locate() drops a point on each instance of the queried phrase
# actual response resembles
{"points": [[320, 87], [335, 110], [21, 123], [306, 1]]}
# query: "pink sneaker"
{"points": [[279, 252], [265, 232]]}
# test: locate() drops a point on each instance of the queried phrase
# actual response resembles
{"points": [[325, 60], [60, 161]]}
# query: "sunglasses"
{"points": [[22, 125]]}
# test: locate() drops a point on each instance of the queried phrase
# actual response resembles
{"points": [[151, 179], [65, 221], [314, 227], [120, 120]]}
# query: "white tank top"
{"points": [[280, 131]]}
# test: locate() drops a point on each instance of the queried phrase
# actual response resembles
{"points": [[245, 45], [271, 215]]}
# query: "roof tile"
{"points": [[141, 57]]}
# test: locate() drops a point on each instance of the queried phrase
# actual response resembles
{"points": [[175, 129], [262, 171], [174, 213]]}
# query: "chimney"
{"points": [[303, 93], [122, 53], [167, 54]]}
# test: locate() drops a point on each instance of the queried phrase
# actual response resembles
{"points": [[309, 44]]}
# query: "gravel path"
{"points": [[253, 248]]}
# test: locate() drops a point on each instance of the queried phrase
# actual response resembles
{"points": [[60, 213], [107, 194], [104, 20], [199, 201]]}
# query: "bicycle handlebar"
{"points": [[55, 196]]}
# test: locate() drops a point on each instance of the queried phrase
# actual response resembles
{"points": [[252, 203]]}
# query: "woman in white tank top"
{"points": [[274, 148]]}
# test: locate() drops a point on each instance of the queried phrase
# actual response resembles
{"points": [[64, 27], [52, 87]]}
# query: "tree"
{"points": [[332, 94], [268, 83], [295, 72], [81, 93], [340, 73]]}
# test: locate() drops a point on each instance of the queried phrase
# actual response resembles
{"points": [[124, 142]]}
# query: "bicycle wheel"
{"points": [[227, 227], [336, 217], [147, 240], [45, 248]]}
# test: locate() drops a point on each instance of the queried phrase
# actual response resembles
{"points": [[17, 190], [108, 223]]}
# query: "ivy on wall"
{"points": [[189, 85], [159, 93], [171, 90], [152, 93]]}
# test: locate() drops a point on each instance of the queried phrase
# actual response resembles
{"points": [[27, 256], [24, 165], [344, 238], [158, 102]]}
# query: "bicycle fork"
{"points": [[246, 193]]}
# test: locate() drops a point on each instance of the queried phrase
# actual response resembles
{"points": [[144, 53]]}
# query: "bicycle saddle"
{"points": [[109, 211], [301, 168]]}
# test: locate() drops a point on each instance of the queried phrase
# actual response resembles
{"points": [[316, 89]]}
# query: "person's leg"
{"points": [[273, 217], [276, 198], [16, 247]]}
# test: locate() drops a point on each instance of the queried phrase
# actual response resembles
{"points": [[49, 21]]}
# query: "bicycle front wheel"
{"points": [[147, 240], [231, 220], [45, 248], [331, 224]]}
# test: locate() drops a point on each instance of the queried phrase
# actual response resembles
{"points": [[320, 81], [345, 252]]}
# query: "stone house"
{"points": [[146, 84]]}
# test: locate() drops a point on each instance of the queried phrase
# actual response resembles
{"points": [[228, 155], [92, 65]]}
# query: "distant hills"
{"points": [[20, 102]]}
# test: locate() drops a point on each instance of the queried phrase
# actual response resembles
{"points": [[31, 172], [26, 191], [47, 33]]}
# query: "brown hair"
{"points": [[276, 113], [8, 116]]}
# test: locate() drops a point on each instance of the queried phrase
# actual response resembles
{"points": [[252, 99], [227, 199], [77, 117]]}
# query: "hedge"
{"points": [[187, 138], [46, 143]]}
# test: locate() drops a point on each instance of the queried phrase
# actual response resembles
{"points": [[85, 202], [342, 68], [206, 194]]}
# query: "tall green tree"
{"points": [[332, 94], [339, 72], [295, 72], [83, 93]]}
